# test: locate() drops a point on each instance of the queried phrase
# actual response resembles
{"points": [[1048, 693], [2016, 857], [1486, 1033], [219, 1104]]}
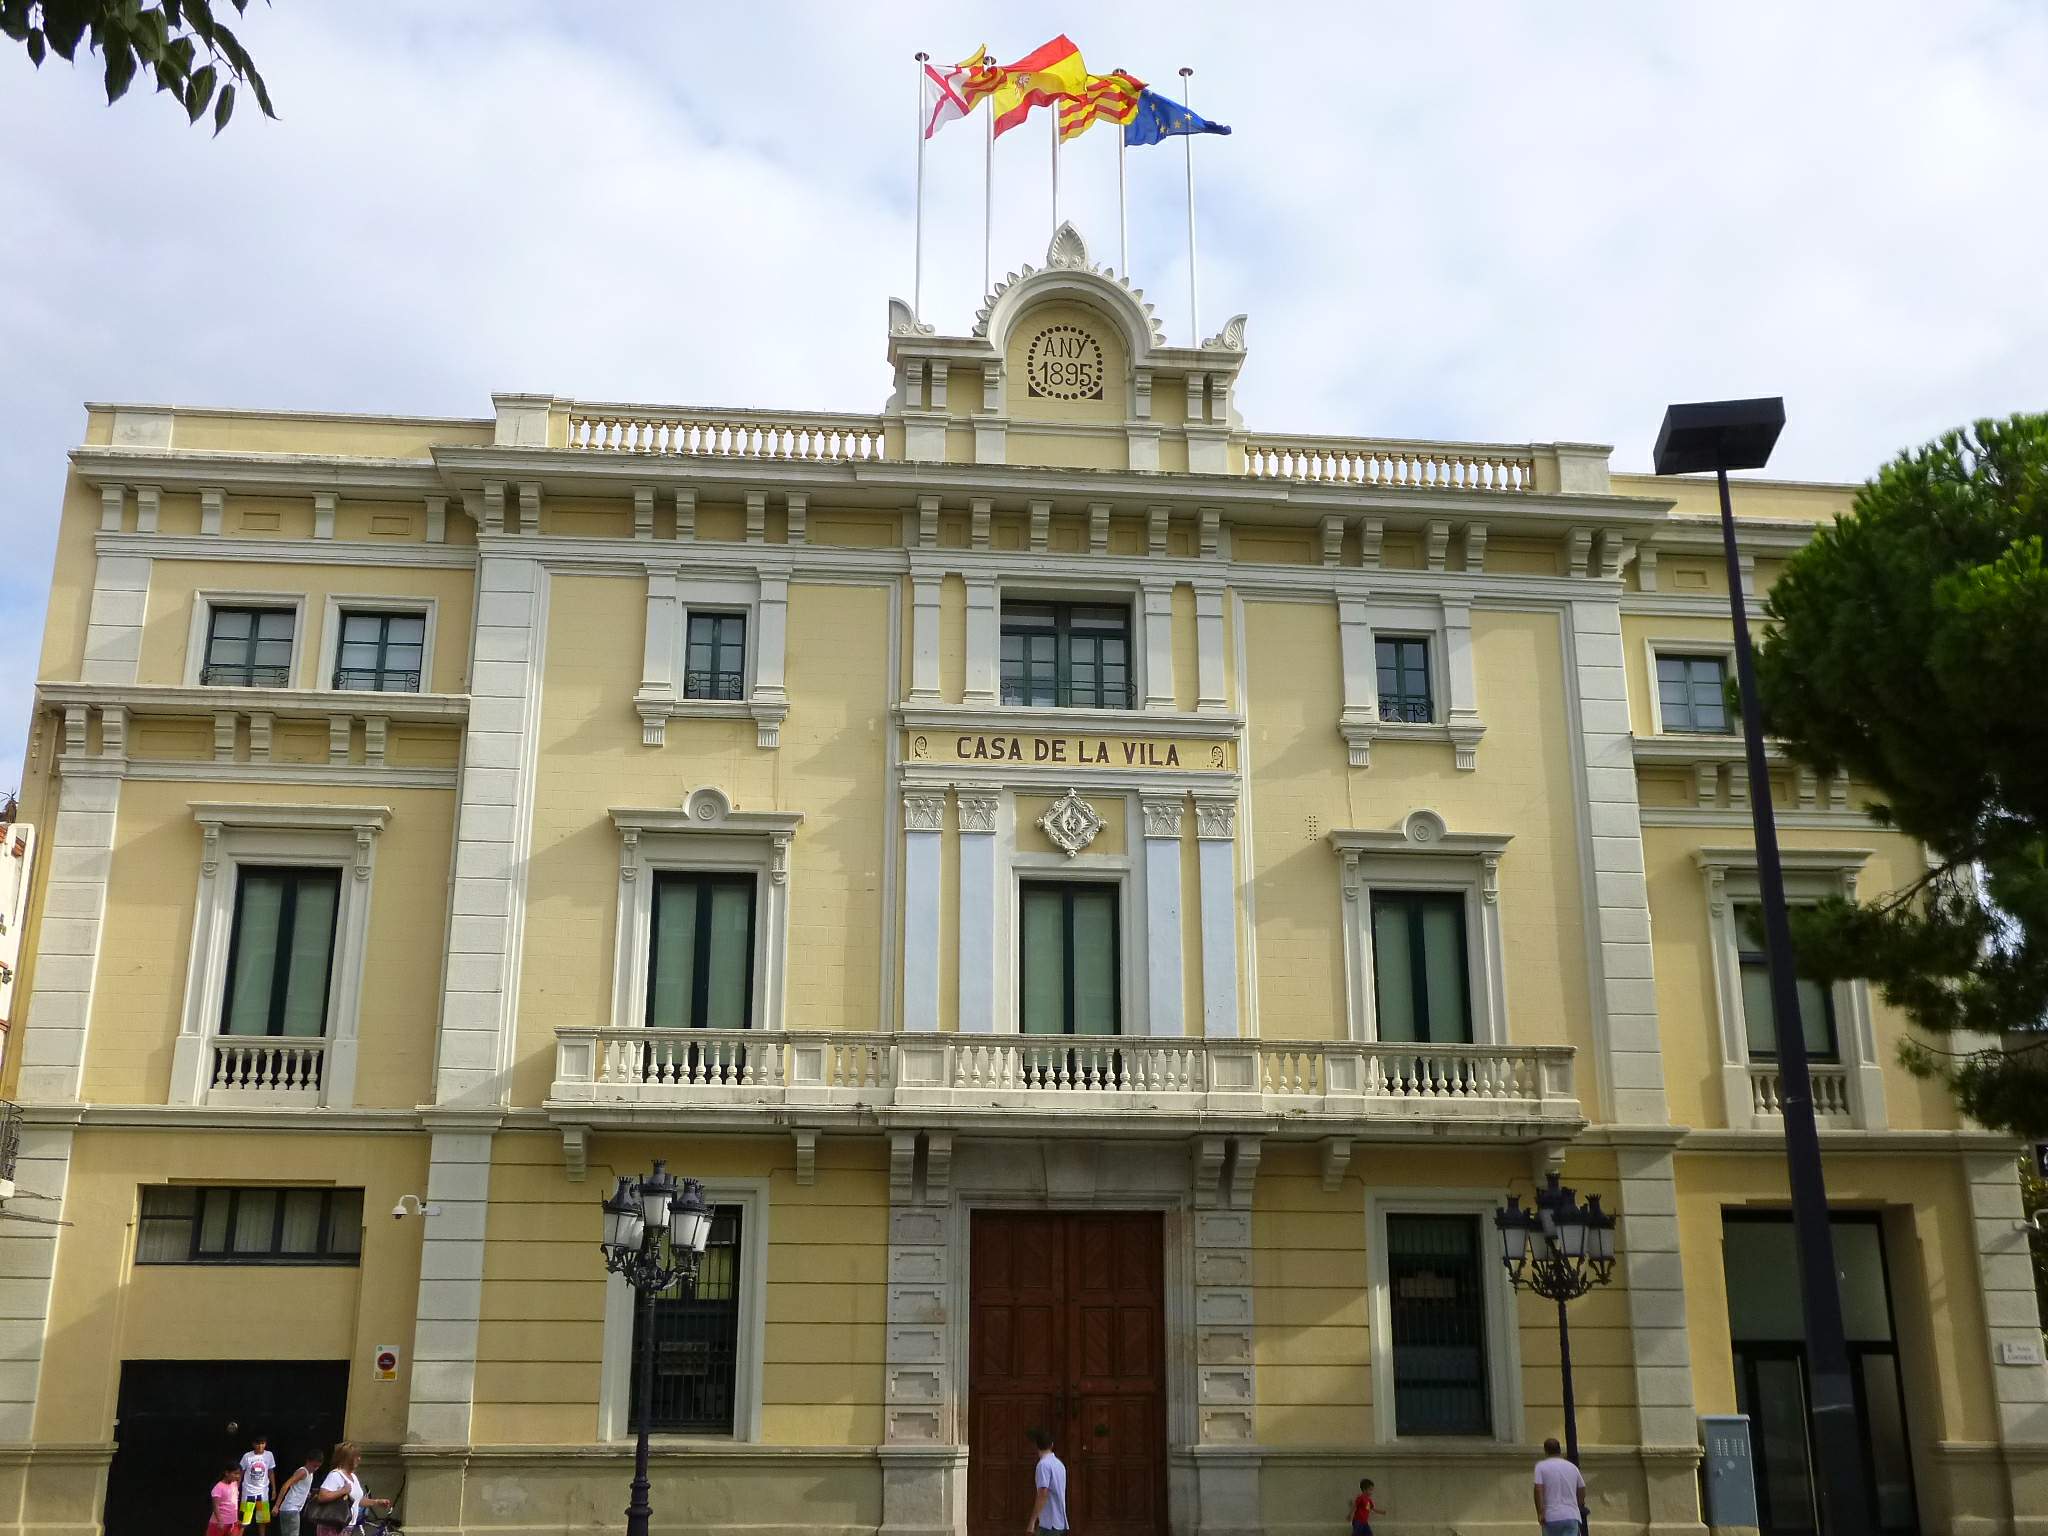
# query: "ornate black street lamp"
{"points": [[654, 1234], [1721, 435], [1559, 1251]]}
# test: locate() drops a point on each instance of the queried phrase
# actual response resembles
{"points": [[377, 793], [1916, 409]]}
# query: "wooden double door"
{"points": [[1066, 1332]]}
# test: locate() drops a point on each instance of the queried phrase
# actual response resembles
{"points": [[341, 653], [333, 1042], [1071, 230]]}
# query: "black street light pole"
{"points": [[1559, 1251], [1721, 435], [654, 1233]]}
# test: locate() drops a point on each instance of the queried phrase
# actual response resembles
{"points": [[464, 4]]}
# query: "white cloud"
{"points": [[1503, 222]]}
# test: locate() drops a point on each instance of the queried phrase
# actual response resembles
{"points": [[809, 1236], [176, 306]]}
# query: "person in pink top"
{"points": [[227, 1496]]}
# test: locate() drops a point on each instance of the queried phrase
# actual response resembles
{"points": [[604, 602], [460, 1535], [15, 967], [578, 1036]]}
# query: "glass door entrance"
{"points": [[1767, 1328]]}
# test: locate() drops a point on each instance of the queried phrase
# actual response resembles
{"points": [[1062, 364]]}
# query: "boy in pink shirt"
{"points": [[227, 1494]]}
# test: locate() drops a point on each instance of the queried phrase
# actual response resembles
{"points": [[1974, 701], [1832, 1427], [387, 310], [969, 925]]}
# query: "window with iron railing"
{"points": [[249, 647], [1066, 655], [1403, 663], [715, 657], [696, 1342], [381, 652], [1437, 1308], [186, 1224]]}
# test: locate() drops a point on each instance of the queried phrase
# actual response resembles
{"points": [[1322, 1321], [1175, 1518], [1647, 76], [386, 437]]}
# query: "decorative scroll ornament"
{"points": [[903, 321], [1230, 338], [1067, 249], [1071, 823]]}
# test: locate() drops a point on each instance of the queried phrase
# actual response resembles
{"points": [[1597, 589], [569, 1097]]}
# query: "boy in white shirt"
{"points": [[257, 1466]]}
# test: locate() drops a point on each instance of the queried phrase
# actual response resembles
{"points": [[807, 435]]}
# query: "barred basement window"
{"points": [[1692, 693], [249, 647], [184, 1224], [381, 652], [1438, 1311], [696, 1342], [281, 952], [715, 659], [1421, 990], [700, 974], [1066, 655], [1403, 663]]}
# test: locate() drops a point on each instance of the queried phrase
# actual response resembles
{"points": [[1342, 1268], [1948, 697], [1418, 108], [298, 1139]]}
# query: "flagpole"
{"points": [[988, 194], [1187, 144], [917, 281], [1123, 209], [1054, 115]]}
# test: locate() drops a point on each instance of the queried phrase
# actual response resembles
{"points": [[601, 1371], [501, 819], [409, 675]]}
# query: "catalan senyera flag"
{"points": [[950, 94], [1110, 98], [1043, 76]]}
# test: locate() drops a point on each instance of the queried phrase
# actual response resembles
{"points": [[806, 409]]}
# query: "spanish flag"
{"points": [[1110, 98], [1043, 76]]}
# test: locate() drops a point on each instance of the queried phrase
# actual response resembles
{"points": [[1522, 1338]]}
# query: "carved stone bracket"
{"points": [[806, 1156], [576, 1152], [902, 1166], [1336, 1159]]}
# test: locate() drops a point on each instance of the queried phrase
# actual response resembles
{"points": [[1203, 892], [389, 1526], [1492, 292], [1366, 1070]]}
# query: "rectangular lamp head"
{"points": [[1719, 434]]}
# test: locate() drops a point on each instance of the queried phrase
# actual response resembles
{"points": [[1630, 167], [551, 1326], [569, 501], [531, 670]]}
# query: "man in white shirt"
{"points": [[1049, 1503], [1560, 1493], [257, 1467]]}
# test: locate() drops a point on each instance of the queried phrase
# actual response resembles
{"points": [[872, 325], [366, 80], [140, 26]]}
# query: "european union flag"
{"points": [[1160, 117]]}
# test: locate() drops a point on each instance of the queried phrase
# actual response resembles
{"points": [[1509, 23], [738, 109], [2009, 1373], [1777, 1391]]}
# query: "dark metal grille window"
{"points": [[1068, 963], [1404, 681], [381, 652], [280, 952], [696, 1342], [1421, 989], [700, 974], [249, 647], [1692, 692], [1066, 655], [715, 663], [1438, 1311], [1759, 1018], [184, 1224]]}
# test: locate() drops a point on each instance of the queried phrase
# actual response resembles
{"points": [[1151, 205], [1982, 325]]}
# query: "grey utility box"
{"points": [[1727, 1475]]}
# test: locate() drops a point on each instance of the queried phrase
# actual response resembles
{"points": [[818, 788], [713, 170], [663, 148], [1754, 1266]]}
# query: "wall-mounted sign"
{"points": [[1064, 362], [387, 1362], [1111, 752]]}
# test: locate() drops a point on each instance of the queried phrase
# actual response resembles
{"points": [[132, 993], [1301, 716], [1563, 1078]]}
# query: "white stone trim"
{"points": [[1685, 645], [338, 603], [210, 598], [1445, 625], [339, 837], [282, 551], [980, 813], [1155, 599], [1065, 577], [1503, 1332], [1731, 878], [28, 1260], [614, 1413], [762, 597], [2012, 1313], [493, 832], [924, 818], [79, 849], [1660, 1350], [1162, 816], [113, 626], [1423, 855], [1216, 824], [451, 1290], [704, 834]]}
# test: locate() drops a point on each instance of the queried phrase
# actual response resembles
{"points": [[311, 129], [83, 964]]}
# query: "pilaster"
{"points": [[1162, 816], [2012, 1313], [28, 1259], [924, 637], [977, 918], [80, 850], [1209, 691], [982, 619], [924, 1467], [451, 1290], [1216, 853], [1659, 1348], [113, 625], [1158, 611], [924, 816]]}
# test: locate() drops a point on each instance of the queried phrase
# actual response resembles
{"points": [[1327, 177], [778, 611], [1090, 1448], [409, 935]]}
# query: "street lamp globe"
{"points": [[657, 1190], [690, 1219], [623, 1224]]}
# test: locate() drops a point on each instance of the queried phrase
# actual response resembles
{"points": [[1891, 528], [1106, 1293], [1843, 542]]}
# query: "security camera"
{"points": [[412, 1205], [398, 1211]]}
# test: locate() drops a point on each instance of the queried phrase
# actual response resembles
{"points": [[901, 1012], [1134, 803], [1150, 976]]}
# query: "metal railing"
{"points": [[714, 685], [1408, 711], [237, 674], [375, 680]]}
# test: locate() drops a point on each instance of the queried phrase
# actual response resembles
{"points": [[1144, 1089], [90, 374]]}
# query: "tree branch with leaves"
{"points": [[1908, 645], [191, 55]]}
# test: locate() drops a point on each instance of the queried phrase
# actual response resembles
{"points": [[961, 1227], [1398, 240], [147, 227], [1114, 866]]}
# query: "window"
{"points": [[701, 965], [696, 1342], [280, 951], [1066, 655], [1816, 1002], [1692, 693], [1437, 1309], [249, 647], [714, 664], [1404, 680], [1418, 964], [181, 1224], [1068, 939], [381, 652]]}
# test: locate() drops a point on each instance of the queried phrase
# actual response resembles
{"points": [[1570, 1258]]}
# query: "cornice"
{"points": [[1737, 819], [1754, 535], [1798, 860], [284, 551], [285, 703], [1770, 1142], [275, 816], [308, 775], [190, 469], [1011, 719]]}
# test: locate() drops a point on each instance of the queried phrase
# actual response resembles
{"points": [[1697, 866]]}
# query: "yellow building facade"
{"points": [[1107, 901]]}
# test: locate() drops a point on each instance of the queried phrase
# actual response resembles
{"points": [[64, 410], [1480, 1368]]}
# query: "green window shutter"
{"points": [[1393, 977], [312, 950], [1094, 960], [1421, 986], [1069, 958], [259, 904], [675, 938], [701, 968], [1045, 962], [730, 961]]}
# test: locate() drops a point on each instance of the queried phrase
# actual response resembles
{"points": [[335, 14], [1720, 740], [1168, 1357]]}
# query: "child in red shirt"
{"points": [[1362, 1509], [227, 1497]]}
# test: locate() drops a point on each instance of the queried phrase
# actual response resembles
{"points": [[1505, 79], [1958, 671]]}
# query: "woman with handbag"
{"points": [[338, 1504]]}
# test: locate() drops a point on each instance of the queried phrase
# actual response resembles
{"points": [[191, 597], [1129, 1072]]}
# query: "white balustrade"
{"points": [[1830, 1093], [265, 1068], [1124, 1074], [823, 439], [1403, 466]]}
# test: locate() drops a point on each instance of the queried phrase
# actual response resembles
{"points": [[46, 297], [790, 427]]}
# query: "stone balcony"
{"points": [[1107, 1085]]}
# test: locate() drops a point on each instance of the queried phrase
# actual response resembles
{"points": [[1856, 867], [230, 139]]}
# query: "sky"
{"points": [[1493, 221]]}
